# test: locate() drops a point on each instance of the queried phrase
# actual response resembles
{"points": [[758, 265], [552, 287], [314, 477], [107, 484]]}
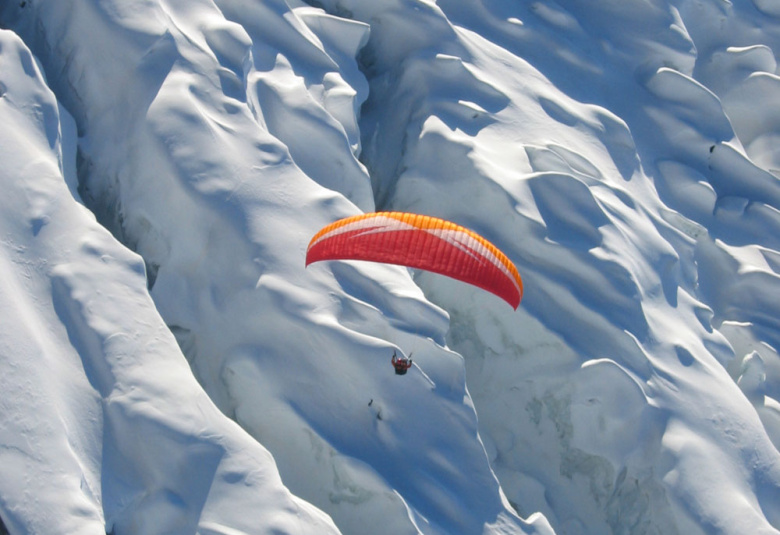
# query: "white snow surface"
{"points": [[169, 366]]}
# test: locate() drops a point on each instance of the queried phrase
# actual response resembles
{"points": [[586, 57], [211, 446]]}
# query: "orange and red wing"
{"points": [[420, 242]]}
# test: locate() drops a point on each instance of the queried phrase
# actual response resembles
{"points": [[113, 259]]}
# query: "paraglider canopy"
{"points": [[420, 242]]}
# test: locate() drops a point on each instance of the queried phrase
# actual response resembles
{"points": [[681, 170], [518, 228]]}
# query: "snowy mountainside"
{"points": [[620, 187], [197, 181], [102, 418], [623, 154]]}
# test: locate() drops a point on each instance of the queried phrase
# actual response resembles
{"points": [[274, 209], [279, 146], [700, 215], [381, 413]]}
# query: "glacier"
{"points": [[170, 366]]}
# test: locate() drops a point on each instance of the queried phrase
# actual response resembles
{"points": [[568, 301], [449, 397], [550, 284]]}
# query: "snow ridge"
{"points": [[622, 154]]}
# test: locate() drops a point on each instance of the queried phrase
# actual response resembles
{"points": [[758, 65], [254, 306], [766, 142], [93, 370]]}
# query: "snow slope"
{"points": [[623, 154], [102, 418]]}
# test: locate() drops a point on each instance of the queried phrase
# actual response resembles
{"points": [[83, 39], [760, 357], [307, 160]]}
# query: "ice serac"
{"points": [[197, 124], [597, 145], [622, 153], [103, 428]]}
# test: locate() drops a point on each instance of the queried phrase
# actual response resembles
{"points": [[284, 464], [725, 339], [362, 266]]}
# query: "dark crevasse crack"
{"points": [[397, 52]]}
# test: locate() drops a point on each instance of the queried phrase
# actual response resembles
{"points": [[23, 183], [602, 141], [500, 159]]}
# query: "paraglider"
{"points": [[401, 364], [420, 242]]}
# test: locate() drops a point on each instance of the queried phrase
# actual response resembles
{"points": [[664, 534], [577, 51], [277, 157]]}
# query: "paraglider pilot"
{"points": [[401, 364]]}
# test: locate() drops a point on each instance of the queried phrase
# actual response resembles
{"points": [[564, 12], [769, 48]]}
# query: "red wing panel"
{"points": [[420, 242]]}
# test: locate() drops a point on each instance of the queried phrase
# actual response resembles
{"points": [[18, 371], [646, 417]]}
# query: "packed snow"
{"points": [[169, 365]]}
